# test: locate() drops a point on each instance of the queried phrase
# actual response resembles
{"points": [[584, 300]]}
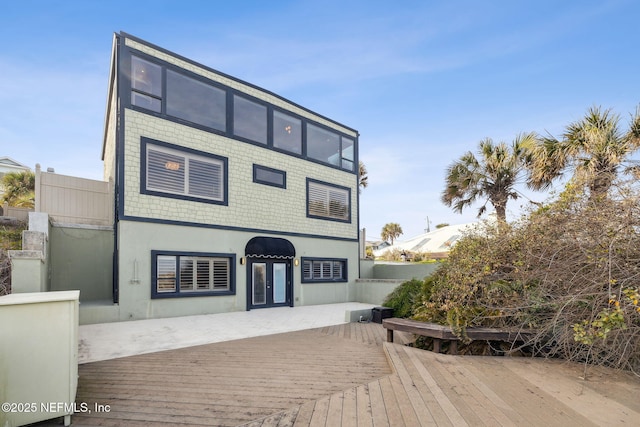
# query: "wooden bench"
{"points": [[441, 333]]}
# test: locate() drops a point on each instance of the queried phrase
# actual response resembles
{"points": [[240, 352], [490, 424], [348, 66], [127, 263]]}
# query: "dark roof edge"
{"points": [[197, 64]]}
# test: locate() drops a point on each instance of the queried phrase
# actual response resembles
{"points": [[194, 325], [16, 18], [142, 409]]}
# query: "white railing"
{"points": [[73, 200]]}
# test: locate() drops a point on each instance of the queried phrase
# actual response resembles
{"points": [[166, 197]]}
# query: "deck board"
{"points": [[347, 375]]}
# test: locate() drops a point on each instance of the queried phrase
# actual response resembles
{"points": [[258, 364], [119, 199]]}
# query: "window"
{"points": [[249, 120], [268, 176], [324, 270], [328, 201], [177, 172], [191, 274], [287, 133], [323, 145], [347, 153], [195, 101], [146, 84]]}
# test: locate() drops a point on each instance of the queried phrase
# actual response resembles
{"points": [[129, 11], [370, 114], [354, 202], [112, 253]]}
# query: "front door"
{"points": [[269, 283]]}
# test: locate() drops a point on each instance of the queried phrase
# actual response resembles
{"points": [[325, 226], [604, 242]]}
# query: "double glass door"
{"points": [[269, 283]]}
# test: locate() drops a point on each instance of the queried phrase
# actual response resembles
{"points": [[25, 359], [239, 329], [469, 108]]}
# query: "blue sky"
{"points": [[422, 81]]}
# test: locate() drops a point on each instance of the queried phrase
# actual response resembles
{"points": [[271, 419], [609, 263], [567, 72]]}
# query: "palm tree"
{"points": [[595, 148], [391, 231], [19, 188], [492, 176], [363, 178]]}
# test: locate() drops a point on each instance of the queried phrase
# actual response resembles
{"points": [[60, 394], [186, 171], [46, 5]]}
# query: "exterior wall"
{"points": [[250, 205], [135, 269], [81, 258], [109, 153], [38, 355], [151, 222]]}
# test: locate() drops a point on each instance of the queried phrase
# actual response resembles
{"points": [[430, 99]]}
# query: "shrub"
{"points": [[569, 270], [406, 296]]}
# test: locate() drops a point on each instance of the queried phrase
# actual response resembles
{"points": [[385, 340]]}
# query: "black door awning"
{"points": [[270, 247]]}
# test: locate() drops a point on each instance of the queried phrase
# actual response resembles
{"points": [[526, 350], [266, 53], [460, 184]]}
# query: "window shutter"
{"points": [[165, 171], [166, 272], [220, 274], [205, 179], [327, 201]]}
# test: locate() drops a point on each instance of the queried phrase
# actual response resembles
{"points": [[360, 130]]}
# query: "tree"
{"points": [[442, 225], [391, 231], [19, 188], [595, 148], [492, 176], [363, 178]]}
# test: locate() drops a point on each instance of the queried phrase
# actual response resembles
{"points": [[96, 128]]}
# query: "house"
{"points": [[228, 197], [438, 242], [7, 164]]}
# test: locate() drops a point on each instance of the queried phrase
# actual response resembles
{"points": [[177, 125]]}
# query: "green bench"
{"points": [[441, 333]]}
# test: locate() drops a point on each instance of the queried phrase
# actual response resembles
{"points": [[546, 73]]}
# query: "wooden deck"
{"points": [[347, 375]]}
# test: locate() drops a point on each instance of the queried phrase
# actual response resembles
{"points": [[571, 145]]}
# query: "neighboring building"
{"points": [[438, 241], [7, 164], [228, 197]]}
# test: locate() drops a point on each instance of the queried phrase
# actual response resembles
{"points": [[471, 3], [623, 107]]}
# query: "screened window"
{"points": [[146, 84], [287, 132], [191, 275], [324, 270], [328, 201], [323, 145], [171, 171], [249, 119], [269, 176], [195, 101]]}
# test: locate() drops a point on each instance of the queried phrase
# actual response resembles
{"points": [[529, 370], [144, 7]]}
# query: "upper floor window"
{"points": [[188, 98], [249, 119], [146, 84], [195, 101], [328, 201], [287, 132], [176, 172], [269, 176]]}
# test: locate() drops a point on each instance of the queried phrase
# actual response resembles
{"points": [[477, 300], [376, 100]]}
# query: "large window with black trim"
{"points": [[324, 270], [328, 201], [176, 274], [172, 171], [188, 98]]}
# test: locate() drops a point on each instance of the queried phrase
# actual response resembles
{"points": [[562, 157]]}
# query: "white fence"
{"points": [[73, 200], [21, 214]]}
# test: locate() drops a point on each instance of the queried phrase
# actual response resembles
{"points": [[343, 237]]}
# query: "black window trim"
{"points": [[345, 273], [328, 184], [144, 142], [177, 294], [230, 91], [266, 168]]}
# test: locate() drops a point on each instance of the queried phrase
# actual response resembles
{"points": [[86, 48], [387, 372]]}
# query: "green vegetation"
{"points": [[491, 176], [408, 296], [391, 231], [10, 239], [568, 269], [19, 189]]}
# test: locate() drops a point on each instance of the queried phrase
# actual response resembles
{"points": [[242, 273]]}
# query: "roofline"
{"points": [[110, 89], [197, 64]]}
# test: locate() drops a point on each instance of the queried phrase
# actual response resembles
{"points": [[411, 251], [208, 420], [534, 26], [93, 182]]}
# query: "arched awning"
{"points": [[270, 247]]}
